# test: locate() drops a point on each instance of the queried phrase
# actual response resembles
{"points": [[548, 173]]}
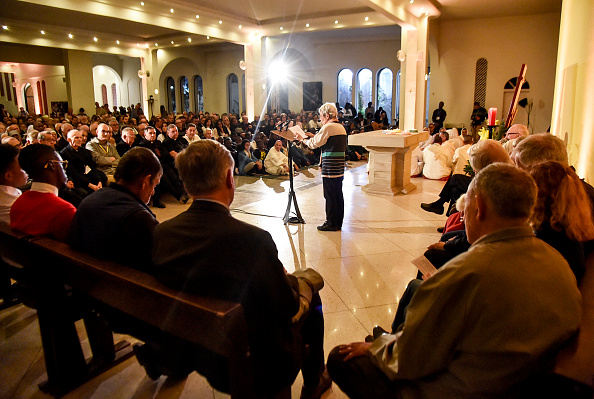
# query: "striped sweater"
{"points": [[333, 139]]}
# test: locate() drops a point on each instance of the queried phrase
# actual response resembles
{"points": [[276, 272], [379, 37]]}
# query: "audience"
{"points": [[464, 334]]}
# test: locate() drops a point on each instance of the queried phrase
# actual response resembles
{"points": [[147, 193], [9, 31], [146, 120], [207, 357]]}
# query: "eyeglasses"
{"points": [[63, 163]]}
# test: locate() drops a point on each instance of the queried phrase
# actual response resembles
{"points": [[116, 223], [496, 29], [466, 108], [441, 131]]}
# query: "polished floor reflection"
{"points": [[366, 267]]}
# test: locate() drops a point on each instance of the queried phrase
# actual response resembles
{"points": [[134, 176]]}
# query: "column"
{"points": [[79, 80], [255, 77]]}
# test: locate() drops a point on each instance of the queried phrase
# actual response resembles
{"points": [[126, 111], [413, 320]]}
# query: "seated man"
{"points": [[191, 252], [39, 211], [103, 151], [511, 136], [276, 162], [79, 161], [11, 177], [436, 167], [127, 142], [481, 154], [115, 222], [488, 321]]}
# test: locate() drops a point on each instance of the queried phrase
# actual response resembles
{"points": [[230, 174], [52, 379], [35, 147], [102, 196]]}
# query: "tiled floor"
{"points": [[366, 267]]}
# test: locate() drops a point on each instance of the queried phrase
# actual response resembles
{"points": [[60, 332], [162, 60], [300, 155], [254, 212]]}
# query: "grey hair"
{"points": [[486, 152], [540, 148], [203, 166], [329, 110], [128, 129], [510, 190]]}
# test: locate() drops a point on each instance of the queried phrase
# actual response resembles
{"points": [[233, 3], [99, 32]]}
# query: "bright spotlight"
{"points": [[278, 71]]}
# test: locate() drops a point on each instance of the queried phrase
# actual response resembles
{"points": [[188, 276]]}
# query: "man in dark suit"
{"points": [[191, 252]]}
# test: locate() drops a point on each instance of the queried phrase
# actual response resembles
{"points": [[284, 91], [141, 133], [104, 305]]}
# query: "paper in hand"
{"points": [[299, 133], [424, 266]]}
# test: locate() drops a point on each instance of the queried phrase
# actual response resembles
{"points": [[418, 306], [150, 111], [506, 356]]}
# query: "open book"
{"points": [[424, 266], [299, 133]]}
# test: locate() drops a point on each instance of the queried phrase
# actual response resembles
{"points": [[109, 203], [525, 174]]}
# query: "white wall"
{"points": [[506, 43], [573, 115], [105, 75]]}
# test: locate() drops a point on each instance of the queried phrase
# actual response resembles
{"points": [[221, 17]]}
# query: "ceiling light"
{"points": [[171, 9], [156, 91], [240, 26], [220, 22], [95, 39], [307, 25], [412, 1], [4, 27], [281, 28], [70, 35], [172, 42], [335, 22], [189, 39], [142, 3], [43, 32], [156, 44], [117, 42], [146, 45], [366, 18], [197, 16], [138, 44]]}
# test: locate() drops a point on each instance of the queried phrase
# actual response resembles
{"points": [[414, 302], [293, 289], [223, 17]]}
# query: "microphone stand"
{"points": [[292, 196]]}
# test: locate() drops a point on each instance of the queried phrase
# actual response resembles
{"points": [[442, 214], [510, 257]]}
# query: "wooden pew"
{"points": [[46, 265]]}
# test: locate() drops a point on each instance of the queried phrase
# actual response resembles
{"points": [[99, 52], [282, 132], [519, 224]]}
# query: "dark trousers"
{"points": [[334, 200], [359, 378], [455, 187], [412, 287]]}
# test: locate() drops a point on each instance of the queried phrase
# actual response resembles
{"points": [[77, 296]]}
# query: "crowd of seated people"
{"points": [[521, 234]]}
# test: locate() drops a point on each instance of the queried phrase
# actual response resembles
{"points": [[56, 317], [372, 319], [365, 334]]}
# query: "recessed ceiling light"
{"points": [[142, 3], [366, 18], [171, 9], [43, 32], [70, 35], [189, 39], [220, 22], [412, 1], [197, 16], [281, 28], [307, 25], [146, 45], [138, 44], [117, 42], [172, 42], [240, 26], [4, 27], [207, 37], [156, 44], [335, 22], [95, 39]]}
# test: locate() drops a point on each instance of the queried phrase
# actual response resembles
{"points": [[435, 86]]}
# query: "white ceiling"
{"points": [[153, 25]]}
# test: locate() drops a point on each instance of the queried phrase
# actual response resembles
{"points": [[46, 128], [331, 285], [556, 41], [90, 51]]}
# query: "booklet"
{"points": [[424, 266], [299, 133]]}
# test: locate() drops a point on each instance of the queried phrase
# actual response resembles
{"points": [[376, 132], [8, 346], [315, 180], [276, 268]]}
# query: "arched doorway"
{"points": [[29, 99]]}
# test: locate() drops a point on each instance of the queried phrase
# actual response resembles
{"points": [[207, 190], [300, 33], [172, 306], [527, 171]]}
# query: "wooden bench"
{"points": [[44, 266]]}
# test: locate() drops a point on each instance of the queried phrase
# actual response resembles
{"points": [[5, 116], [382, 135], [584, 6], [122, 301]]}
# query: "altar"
{"points": [[389, 160]]}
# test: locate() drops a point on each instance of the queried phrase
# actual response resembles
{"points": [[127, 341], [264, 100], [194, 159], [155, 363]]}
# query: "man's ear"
{"points": [[481, 207], [146, 181], [229, 181]]}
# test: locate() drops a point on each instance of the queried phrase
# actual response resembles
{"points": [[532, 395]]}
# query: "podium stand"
{"points": [[289, 136]]}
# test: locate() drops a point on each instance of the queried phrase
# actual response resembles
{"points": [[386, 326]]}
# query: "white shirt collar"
{"points": [[44, 188], [13, 191]]}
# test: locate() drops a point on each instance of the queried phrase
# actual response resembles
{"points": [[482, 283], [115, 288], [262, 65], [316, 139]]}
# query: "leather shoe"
{"points": [[184, 198], [158, 204], [327, 227], [433, 207], [144, 358], [378, 331], [317, 392], [440, 229]]}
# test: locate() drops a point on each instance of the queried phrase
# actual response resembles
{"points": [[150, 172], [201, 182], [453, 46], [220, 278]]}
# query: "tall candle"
{"points": [[492, 115]]}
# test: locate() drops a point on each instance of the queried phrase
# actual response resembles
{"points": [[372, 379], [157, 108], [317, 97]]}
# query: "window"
{"points": [[170, 85], [364, 89], [480, 81], [198, 94], [233, 93], [185, 94], [345, 86], [114, 94], [104, 94], [384, 91]]}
